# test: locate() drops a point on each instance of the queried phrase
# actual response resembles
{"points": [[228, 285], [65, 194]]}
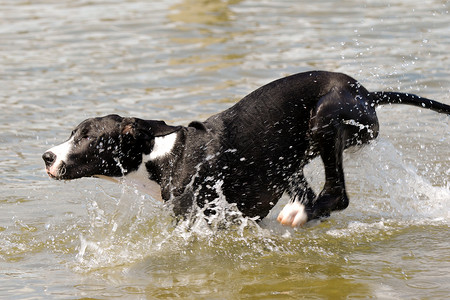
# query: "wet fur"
{"points": [[258, 147]]}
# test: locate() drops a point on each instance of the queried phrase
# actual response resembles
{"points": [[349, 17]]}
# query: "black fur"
{"points": [[258, 147]]}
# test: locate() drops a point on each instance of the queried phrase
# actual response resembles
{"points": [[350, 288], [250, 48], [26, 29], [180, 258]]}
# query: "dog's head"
{"points": [[107, 146]]}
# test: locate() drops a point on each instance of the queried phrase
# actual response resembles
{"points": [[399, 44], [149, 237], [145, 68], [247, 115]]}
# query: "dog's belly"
{"points": [[258, 183]]}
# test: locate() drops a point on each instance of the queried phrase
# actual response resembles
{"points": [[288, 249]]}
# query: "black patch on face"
{"points": [[96, 149], [111, 146]]}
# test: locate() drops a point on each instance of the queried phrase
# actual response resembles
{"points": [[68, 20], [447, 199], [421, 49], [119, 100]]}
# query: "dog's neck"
{"points": [[142, 179]]}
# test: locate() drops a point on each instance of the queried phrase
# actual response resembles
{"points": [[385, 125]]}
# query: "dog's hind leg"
{"points": [[333, 196], [329, 134]]}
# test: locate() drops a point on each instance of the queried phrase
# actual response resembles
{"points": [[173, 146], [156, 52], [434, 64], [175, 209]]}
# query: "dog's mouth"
{"points": [[50, 174], [64, 172], [57, 173]]}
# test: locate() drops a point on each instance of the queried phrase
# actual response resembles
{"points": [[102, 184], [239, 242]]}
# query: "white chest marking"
{"points": [[163, 145], [140, 180]]}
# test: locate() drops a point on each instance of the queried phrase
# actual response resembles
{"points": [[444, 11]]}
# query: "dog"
{"points": [[256, 149]]}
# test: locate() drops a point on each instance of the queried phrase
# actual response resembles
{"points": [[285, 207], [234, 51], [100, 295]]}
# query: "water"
{"points": [[64, 61]]}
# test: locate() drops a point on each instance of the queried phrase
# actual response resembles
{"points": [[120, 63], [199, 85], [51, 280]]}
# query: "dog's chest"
{"points": [[140, 180]]}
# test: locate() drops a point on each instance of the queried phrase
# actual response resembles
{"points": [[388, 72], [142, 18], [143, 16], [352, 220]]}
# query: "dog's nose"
{"points": [[49, 158]]}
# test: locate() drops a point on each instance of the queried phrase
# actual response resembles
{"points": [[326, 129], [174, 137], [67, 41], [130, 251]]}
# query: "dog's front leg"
{"points": [[294, 214], [333, 195]]}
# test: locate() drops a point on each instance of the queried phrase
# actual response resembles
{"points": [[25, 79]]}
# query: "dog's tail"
{"points": [[380, 98]]}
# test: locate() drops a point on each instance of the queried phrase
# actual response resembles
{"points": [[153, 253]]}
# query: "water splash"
{"points": [[385, 193], [382, 183], [134, 226]]}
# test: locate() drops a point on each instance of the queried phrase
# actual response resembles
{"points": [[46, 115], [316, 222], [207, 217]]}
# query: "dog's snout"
{"points": [[49, 158]]}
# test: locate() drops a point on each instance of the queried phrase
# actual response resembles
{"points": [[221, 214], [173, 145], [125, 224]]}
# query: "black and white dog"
{"points": [[256, 149]]}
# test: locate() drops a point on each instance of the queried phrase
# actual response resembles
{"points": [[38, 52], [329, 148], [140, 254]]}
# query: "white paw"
{"points": [[293, 214]]}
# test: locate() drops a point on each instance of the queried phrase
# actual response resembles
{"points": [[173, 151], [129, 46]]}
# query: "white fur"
{"points": [[293, 214], [62, 152], [163, 145], [140, 180]]}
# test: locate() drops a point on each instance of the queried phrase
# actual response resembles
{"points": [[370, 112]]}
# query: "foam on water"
{"points": [[382, 183], [135, 226], [385, 192]]}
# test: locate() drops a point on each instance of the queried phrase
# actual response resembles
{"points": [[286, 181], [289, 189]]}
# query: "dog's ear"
{"points": [[145, 130], [160, 128]]}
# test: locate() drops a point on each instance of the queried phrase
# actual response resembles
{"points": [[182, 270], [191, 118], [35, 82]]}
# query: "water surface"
{"points": [[64, 61]]}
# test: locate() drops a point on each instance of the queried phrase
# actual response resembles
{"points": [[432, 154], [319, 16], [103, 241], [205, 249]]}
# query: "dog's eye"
{"points": [[82, 138]]}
